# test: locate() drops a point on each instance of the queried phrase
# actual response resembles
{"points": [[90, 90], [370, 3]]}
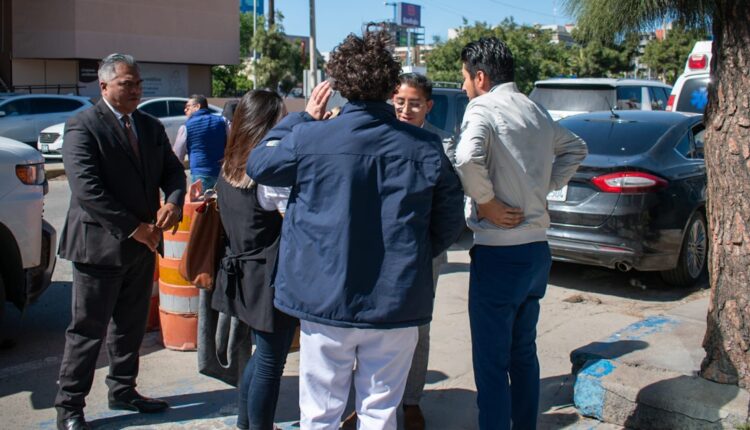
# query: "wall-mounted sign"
{"points": [[409, 15], [87, 71]]}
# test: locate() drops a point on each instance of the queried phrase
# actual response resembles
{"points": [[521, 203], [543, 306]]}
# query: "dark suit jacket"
{"points": [[112, 191]]}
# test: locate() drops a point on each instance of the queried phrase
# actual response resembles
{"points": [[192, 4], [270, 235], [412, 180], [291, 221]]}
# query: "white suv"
{"points": [[22, 117], [27, 241], [563, 97]]}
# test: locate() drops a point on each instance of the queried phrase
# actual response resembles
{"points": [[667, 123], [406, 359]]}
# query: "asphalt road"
{"points": [[583, 305]]}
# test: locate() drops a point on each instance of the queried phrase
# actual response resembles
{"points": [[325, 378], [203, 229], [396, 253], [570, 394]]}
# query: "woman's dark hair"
{"points": [[420, 82], [256, 113], [364, 68], [490, 55]]}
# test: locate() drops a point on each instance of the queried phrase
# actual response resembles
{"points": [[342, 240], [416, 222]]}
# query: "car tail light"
{"points": [[697, 62], [670, 102], [628, 182], [31, 174]]}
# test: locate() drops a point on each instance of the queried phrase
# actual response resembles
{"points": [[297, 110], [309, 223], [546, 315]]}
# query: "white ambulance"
{"points": [[689, 93]]}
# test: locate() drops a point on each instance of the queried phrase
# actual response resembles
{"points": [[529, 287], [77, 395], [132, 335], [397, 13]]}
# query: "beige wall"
{"points": [[163, 31], [199, 80], [45, 72]]}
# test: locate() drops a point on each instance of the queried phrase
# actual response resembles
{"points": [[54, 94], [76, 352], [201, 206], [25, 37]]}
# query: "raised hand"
{"points": [[316, 106]]}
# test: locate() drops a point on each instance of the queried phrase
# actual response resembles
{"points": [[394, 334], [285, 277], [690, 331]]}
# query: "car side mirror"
{"points": [[2, 113]]}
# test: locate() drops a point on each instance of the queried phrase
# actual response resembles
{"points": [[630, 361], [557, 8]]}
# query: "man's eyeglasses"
{"points": [[414, 106]]}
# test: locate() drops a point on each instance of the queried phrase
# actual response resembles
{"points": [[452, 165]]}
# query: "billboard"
{"points": [[247, 6], [409, 15]]}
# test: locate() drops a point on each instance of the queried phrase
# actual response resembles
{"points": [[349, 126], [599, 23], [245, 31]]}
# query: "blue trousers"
{"points": [[505, 286], [259, 388]]}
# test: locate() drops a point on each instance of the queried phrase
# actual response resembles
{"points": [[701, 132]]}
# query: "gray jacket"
{"points": [[449, 143], [512, 150]]}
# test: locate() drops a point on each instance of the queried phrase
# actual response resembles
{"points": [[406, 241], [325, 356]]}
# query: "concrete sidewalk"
{"points": [[449, 403], [645, 376]]}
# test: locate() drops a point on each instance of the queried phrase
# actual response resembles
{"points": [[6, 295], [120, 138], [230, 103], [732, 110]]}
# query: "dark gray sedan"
{"points": [[638, 199]]}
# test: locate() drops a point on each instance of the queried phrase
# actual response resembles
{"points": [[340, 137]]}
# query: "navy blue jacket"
{"points": [[373, 200], [206, 139]]}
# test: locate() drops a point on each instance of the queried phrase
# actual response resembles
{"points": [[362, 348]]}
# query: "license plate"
{"points": [[558, 195], [45, 148]]}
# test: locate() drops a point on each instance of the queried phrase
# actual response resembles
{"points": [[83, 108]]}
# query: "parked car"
{"points": [[22, 117], [27, 241], [50, 141], [563, 97], [228, 111], [638, 199], [690, 92], [448, 109], [171, 112]]}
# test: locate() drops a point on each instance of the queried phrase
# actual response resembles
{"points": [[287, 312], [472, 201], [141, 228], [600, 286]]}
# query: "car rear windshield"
{"points": [[693, 96], [616, 137], [584, 98]]}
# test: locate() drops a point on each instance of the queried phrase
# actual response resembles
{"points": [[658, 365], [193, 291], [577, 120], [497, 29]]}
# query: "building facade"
{"points": [[53, 46]]}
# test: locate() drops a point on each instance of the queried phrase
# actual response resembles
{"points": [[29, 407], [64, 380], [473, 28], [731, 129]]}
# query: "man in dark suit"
{"points": [[116, 159]]}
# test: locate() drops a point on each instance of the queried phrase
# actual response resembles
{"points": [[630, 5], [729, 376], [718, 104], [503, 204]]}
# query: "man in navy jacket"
{"points": [[373, 200]]}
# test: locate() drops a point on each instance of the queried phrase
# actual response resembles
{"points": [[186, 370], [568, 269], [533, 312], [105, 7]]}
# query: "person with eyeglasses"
{"points": [[203, 138], [412, 102], [373, 200]]}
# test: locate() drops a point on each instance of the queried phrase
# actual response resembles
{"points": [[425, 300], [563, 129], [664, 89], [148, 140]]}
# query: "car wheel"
{"points": [[693, 261]]}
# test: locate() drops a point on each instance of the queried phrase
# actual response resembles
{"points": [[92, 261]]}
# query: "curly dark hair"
{"points": [[364, 68]]}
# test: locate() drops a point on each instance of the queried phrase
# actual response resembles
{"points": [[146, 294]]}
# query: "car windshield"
{"points": [[693, 96], [616, 137], [577, 98]]}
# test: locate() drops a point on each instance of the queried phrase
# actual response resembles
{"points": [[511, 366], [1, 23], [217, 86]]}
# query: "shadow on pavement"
{"points": [[435, 376], [183, 407], [32, 363], [454, 268], [603, 350], [645, 286], [709, 397]]}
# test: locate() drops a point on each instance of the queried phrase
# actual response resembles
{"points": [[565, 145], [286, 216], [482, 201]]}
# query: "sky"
{"points": [[335, 19]]}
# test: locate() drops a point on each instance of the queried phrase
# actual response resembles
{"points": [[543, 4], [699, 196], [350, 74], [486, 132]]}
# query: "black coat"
{"points": [[244, 284], [113, 190]]}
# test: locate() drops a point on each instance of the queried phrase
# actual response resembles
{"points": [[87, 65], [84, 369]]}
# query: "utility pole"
{"points": [[255, 27], [271, 16], [313, 59]]}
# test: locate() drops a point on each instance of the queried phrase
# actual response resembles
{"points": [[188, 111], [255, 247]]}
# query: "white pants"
{"points": [[327, 357]]}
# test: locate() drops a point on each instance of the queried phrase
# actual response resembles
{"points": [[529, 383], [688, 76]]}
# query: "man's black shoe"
{"points": [[75, 423], [138, 403]]}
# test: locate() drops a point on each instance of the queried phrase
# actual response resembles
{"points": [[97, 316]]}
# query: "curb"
{"points": [[643, 377]]}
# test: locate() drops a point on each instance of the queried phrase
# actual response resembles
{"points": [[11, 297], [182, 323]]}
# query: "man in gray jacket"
{"points": [[510, 155]]}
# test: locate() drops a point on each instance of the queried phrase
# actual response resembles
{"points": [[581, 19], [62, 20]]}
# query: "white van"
{"points": [[690, 91]]}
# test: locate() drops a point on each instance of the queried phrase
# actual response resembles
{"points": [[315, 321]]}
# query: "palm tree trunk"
{"points": [[727, 339]]}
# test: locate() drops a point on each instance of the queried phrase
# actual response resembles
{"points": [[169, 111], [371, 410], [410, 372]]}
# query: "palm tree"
{"points": [[727, 118]]}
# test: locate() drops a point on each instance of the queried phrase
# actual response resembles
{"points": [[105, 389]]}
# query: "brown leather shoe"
{"points": [[413, 418], [350, 422]]}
